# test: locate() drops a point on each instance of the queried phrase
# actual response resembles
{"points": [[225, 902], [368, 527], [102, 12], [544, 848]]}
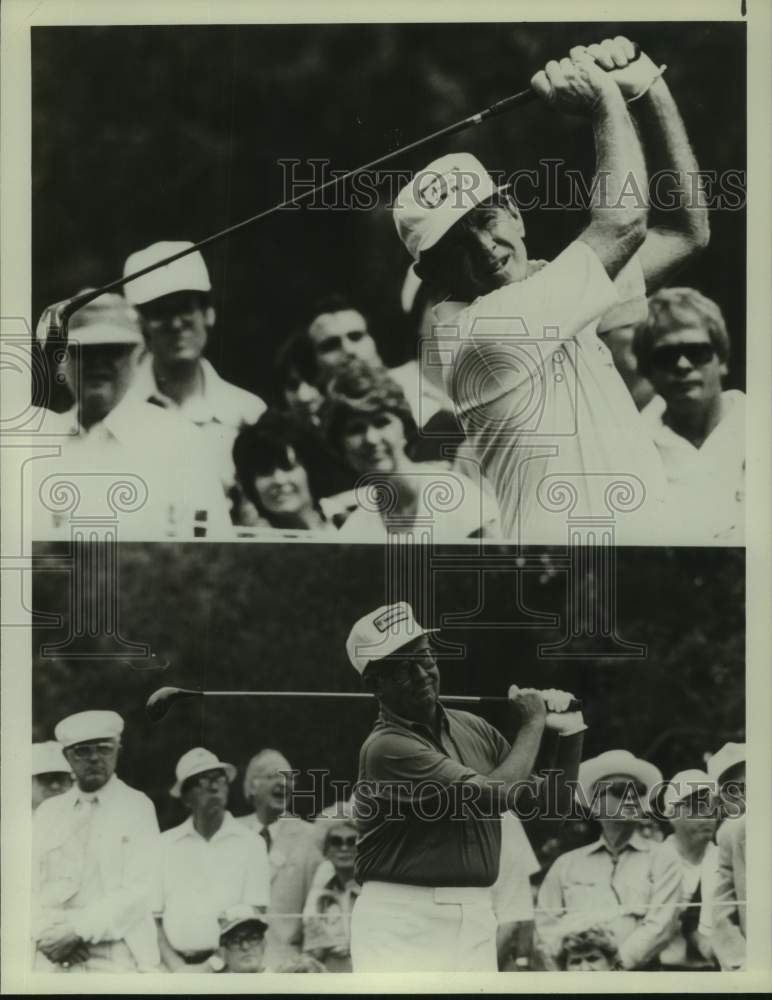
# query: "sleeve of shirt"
{"points": [[408, 769], [727, 939], [632, 306], [661, 918], [511, 892], [505, 337], [257, 885]]}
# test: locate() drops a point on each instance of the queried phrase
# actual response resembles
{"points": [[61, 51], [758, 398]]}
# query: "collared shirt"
{"points": [[543, 405], [424, 397], [92, 860], [219, 409], [414, 826], [172, 489], [293, 859], [705, 485], [635, 893], [200, 878], [327, 917], [450, 508]]}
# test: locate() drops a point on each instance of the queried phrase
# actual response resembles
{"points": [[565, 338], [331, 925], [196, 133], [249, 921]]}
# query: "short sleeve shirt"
{"points": [[415, 827], [543, 405]]}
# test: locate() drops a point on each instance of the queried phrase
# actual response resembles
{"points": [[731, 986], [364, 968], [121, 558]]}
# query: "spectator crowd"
{"points": [[349, 449], [660, 887]]}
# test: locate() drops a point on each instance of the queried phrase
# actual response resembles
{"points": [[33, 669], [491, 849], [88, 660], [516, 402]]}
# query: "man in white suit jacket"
{"points": [[92, 851]]}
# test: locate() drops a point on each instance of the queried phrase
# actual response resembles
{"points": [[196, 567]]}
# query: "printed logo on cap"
{"points": [[390, 618]]}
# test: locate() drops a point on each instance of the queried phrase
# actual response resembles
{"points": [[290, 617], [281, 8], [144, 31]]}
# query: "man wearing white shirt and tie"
{"points": [[91, 871]]}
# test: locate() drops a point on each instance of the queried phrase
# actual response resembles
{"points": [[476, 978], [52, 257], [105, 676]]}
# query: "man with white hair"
{"points": [[207, 864], [51, 774], [533, 384], [620, 880], [293, 850], [92, 853], [110, 432], [433, 783], [175, 305]]}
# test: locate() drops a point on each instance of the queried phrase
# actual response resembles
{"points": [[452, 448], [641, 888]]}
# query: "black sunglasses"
{"points": [[667, 358], [335, 840]]}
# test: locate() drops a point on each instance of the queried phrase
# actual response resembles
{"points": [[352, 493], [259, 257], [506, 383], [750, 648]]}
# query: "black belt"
{"points": [[194, 957]]}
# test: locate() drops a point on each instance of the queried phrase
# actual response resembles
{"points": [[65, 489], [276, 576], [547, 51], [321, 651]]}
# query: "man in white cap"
{"points": [[110, 431], [533, 384], [51, 774], [208, 863], [690, 805], [242, 939], [175, 306], [292, 845], [727, 767], [92, 853], [621, 880], [433, 783]]}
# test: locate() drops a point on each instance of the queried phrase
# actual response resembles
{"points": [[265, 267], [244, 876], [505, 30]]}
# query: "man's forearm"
{"points": [[678, 201], [517, 766]]}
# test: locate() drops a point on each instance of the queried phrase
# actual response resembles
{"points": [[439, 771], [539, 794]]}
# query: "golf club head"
{"points": [[160, 701], [52, 328]]}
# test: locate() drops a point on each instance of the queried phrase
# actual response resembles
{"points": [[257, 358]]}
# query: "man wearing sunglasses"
{"points": [[433, 783], [621, 880], [699, 429], [207, 864], [533, 384], [92, 852]]}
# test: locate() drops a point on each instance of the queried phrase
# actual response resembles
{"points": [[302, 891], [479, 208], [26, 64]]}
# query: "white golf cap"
{"points": [[186, 275], [194, 762], [729, 755], [240, 913], [108, 319], [381, 633], [93, 725], [617, 763], [437, 197], [47, 758], [684, 784]]}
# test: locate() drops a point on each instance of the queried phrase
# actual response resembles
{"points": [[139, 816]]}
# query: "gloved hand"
{"points": [[558, 719]]}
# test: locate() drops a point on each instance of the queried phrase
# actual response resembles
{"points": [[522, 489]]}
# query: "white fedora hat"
{"points": [[194, 762], [617, 762]]}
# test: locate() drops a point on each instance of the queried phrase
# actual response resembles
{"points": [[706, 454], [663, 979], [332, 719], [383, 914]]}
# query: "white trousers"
{"points": [[413, 928]]}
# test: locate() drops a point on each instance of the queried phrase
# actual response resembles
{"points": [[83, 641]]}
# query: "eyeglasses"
{"points": [[84, 751], [244, 941], [623, 789], [335, 840], [207, 779], [667, 358]]}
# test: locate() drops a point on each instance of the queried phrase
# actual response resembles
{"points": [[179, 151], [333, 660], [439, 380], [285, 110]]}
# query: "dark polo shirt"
{"points": [[415, 823]]}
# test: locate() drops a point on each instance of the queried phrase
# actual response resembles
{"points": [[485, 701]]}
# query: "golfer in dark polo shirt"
{"points": [[433, 783]]}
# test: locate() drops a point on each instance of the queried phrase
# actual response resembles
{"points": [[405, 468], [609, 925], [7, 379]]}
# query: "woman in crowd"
{"points": [[370, 424], [283, 475], [327, 911]]}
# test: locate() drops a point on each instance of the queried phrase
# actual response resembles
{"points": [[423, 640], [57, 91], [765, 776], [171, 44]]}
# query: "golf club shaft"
{"points": [[475, 699], [61, 313]]}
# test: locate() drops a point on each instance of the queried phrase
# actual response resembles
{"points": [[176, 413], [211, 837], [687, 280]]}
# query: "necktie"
{"points": [[265, 833]]}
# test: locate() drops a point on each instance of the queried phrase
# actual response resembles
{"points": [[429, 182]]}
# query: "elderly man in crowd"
{"points": [[293, 850], [698, 428], [534, 386], [728, 930], [92, 853], [433, 783], [110, 432], [51, 774], [175, 306], [690, 805], [208, 863], [242, 940], [621, 880]]}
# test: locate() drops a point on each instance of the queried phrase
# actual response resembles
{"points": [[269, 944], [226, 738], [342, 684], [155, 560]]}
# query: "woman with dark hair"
{"points": [[282, 473], [370, 424], [296, 376]]}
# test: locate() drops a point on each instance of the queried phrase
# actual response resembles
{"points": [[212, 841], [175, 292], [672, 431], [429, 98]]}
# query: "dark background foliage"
{"points": [[141, 134], [245, 616]]}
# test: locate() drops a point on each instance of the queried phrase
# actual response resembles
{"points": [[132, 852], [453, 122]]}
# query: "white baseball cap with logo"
{"points": [[684, 784], [197, 761], [381, 633], [189, 274], [438, 197]]}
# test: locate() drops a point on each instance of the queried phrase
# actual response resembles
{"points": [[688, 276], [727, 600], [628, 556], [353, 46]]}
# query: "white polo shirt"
{"points": [[705, 485], [199, 878], [544, 407]]}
